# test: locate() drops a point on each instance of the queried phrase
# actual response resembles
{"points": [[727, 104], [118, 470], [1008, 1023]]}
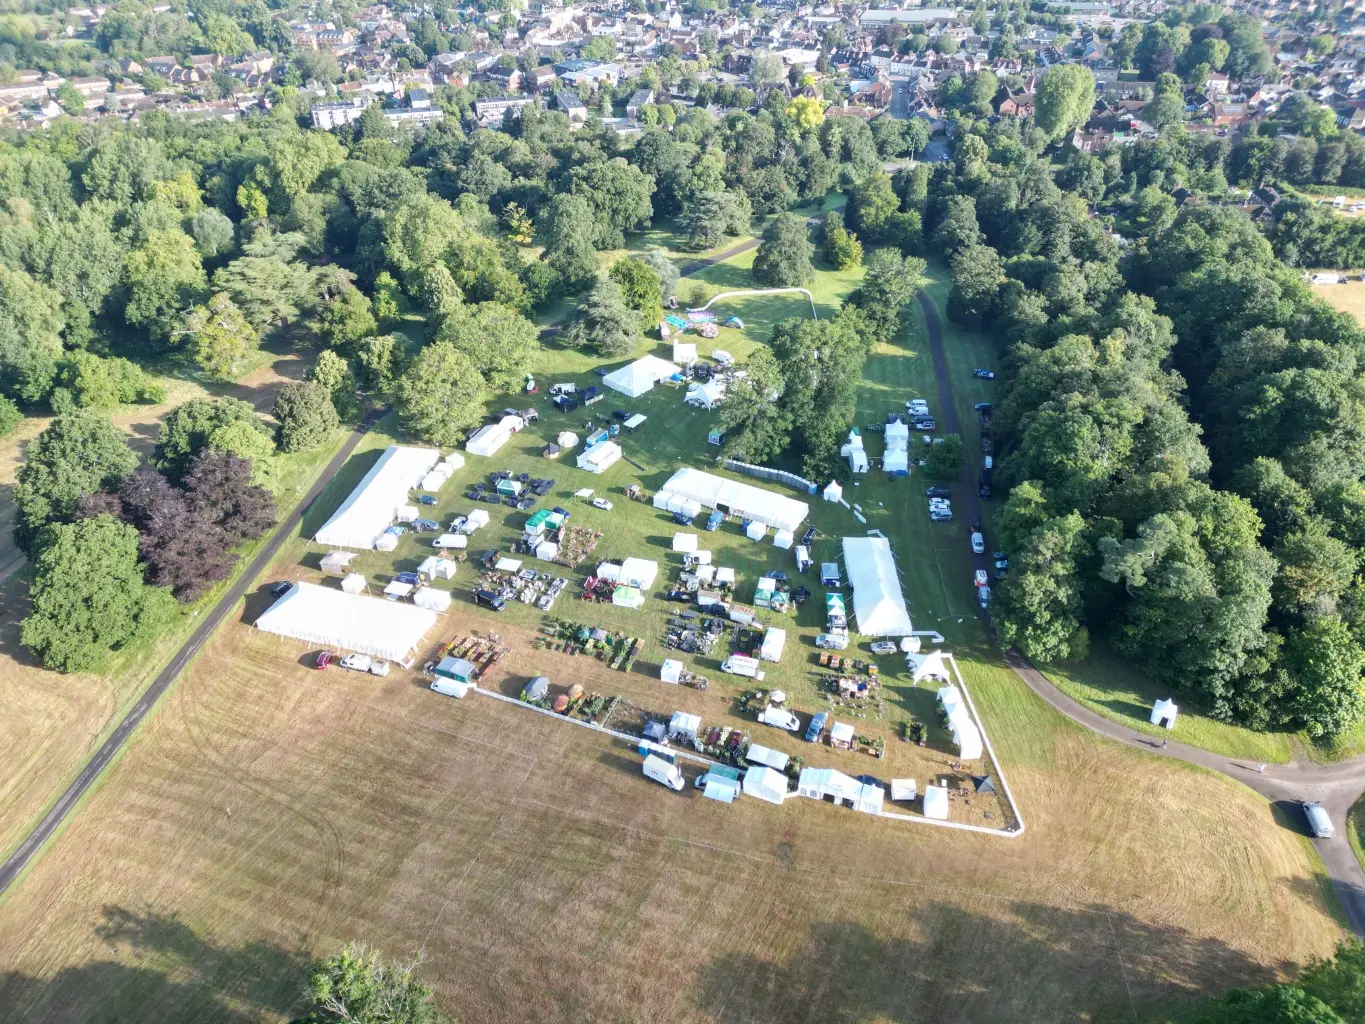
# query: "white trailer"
{"points": [[664, 772], [781, 718]]}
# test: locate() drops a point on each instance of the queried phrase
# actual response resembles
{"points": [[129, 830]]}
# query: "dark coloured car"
{"points": [[938, 492], [280, 589], [488, 558], [425, 525], [620, 414], [808, 536], [974, 524], [778, 575], [984, 491], [410, 578], [426, 499], [987, 445], [489, 599]]}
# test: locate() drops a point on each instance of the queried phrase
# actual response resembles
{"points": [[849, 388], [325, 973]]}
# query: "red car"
{"points": [[323, 659]]}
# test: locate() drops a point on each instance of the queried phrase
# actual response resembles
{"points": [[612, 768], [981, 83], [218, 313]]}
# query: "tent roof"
{"points": [[370, 507], [878, 603], [983, 783], [385, 629], [638, 377], [936, 802], [755, 503]]}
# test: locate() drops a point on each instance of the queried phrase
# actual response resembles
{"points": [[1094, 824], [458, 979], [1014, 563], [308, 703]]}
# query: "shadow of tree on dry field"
{"points": [[1019, 962], [163, 972]]}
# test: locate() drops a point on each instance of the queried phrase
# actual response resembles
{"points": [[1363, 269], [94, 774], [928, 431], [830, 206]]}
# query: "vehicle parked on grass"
{"points": [[410, 578], [978, 543], [531, 386], [817, 726], [884, 647], [664, 772], [323, 659], [425, 525], [938, 492], [281, 588], [489, 599], [426, 499], [1318, 821], [1002, 563], [451, 540], [924, 424], [780, 718], [832, 641], [979, 578], [941, 517], [364, 663], [984, 374], [983, 596], [601, 503], [563, 389]]}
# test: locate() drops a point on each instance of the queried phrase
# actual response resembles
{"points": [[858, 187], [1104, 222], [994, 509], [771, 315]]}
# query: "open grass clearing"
{"points": [[1348, 297]]}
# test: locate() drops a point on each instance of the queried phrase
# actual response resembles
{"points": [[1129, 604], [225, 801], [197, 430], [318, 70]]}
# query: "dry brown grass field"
{"points": [[271, 812], [1348, 297]]}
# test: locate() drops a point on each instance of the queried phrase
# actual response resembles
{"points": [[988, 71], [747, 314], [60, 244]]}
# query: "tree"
{"points": [[346, 319], [499, 342], [88, 596], [333, 372], [181, 551], [756, 424], [222, 492], [873, 207], [1064, 98], [441, 395], [31, 325], [356, 987], [604, 321], [212, 231], [70, 99], [251, 443], [221, 340], [88, 381], [640, 287], [783, 258], [386, 301], [1039, 605], [266, 282], [1315, 569], [946, 458], [306, 416], [77, 454], [569, 232], [619, 196], [765, 67], [189, 427], [1321, 666], [886, 287], [664, 268], [708, 217], [164, 276], [10, 416], [842, 248], [377, 359]]}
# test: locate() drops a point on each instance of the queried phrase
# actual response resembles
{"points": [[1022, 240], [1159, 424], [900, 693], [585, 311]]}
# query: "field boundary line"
{"points": [[1123, 968], [986, 738]]}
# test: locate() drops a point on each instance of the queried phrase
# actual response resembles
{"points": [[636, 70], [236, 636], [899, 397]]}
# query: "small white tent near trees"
{"points": [[634, 379]]}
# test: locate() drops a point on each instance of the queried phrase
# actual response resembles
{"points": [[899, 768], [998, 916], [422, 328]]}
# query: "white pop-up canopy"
{"points": [[877, 600], [833, 492], [684, 542], [766, 784], [638, 572], [370, 508], [745, 500], [383, 629], [634, 379]]}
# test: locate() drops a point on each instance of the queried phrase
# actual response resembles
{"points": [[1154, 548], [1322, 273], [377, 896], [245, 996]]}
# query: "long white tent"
{"points": [[754, 503], [634, 379], [878, 603], [370, 509], [369, 625]]}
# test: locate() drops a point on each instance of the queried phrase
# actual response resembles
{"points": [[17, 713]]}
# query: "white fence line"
{"points": [[763, 291], [999, 769]]}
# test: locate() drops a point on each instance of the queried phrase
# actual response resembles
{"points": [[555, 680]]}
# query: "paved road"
{"points": [[1336, 786], [14, 866]]}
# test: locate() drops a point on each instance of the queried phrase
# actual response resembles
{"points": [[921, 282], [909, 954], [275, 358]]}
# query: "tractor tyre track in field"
{"points": [[1336, 786]]}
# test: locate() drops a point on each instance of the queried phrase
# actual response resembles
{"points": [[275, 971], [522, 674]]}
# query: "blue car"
{"points": [[409, 577], [426, 499], [816, 727], [425, 525], [397, 531]]}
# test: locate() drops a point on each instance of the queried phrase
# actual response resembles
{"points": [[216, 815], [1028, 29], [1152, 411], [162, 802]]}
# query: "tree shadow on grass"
{"points": [[161, 970], [1019, 962]]}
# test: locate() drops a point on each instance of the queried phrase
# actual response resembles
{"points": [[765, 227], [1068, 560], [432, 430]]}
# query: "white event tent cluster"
{"points": [[878, 603], [693, 487]]}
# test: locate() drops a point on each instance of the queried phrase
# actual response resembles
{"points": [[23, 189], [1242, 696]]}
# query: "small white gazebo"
{"points": [[1164, 713], [671, 671], [833, 492]]}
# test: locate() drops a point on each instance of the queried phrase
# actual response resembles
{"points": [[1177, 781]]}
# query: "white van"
{"points": [[664, 772], [450, 687], [1318, 821], [780, 718], [832, 641]]}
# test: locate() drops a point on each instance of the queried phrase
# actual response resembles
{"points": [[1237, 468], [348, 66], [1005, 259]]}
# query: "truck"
{"points": [[663, 772], [740, 665], [364, 663], [780, 718]]}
